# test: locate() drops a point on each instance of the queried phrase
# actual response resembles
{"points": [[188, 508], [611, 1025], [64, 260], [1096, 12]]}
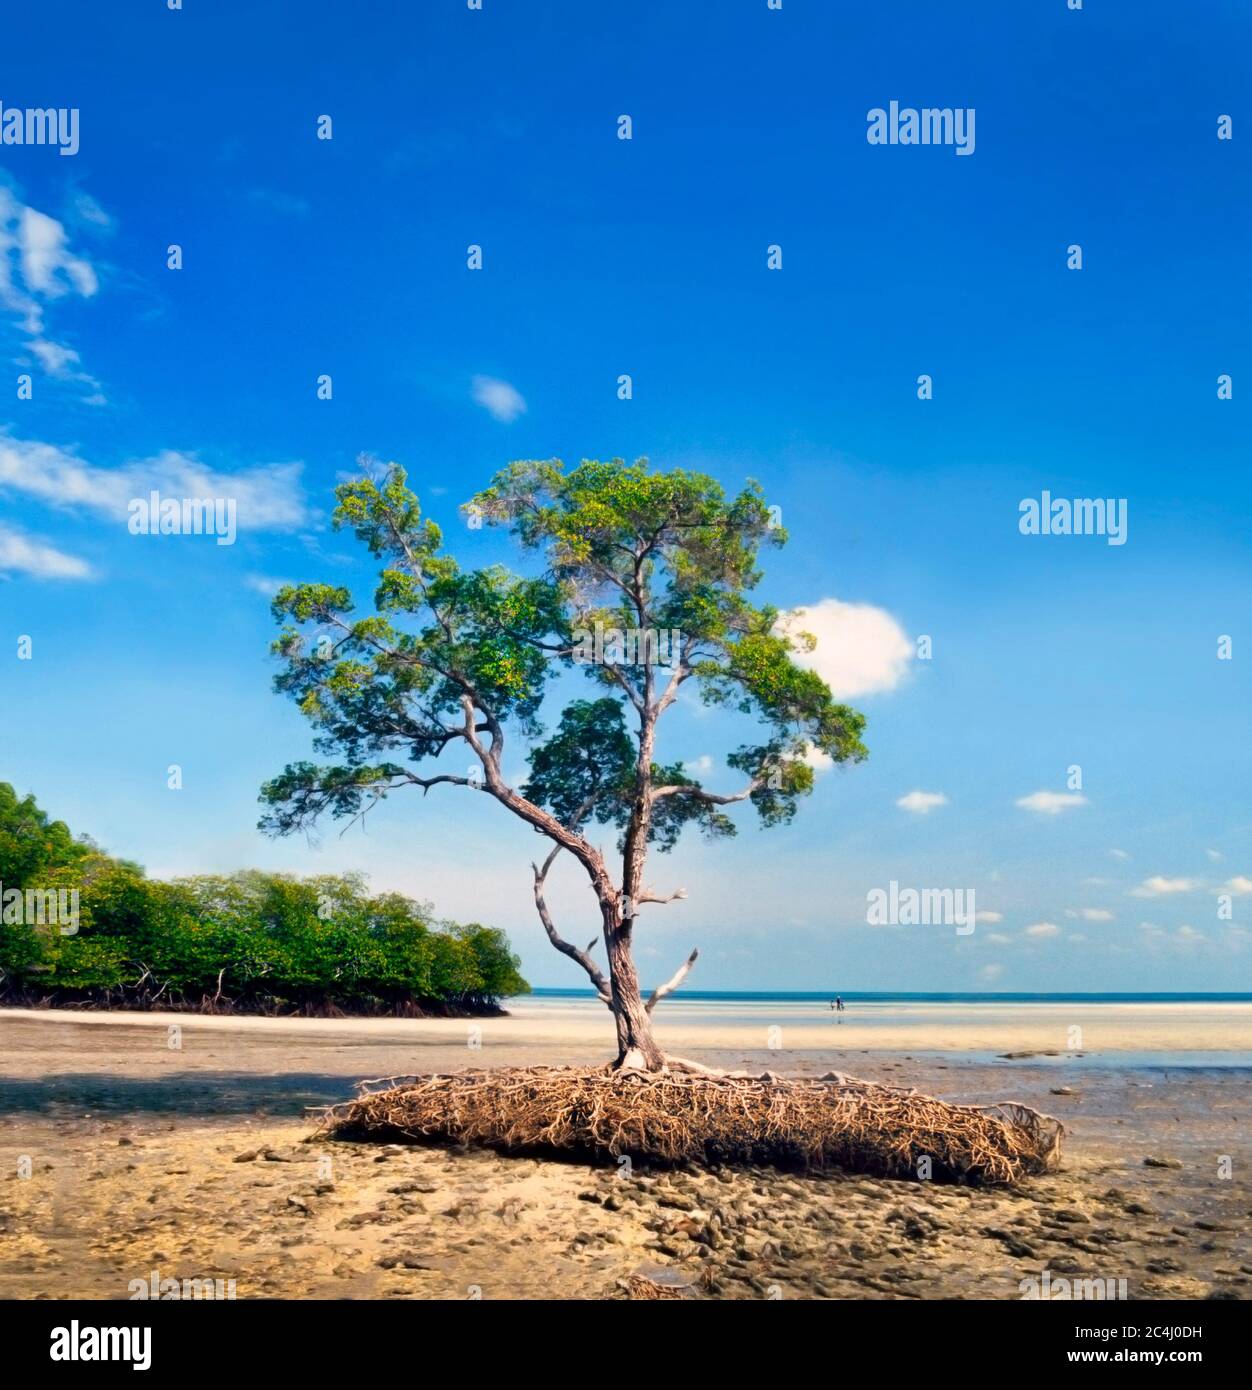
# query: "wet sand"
{"points": [[565, 1029], [192, 1162]]}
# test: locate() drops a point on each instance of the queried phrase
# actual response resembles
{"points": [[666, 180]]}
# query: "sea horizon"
{"points": [[1123, 1029], [710, 996]]}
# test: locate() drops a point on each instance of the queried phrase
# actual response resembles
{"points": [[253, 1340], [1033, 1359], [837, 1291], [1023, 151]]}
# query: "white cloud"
{"points": [[1119, 854], [1213, 854], [998, 938], [988, 916], [701, 764], [36, 268], [817, 760], [1159, 887], [1050, 803], [263, 584], [1188, 933], [1240, 885], [88, 210], [1041, 930], [1095, 914], [860, 649], [921, 803], [991, 973], [268, 497], [48, 268], [55, 358], [501, 400], [19, 554]]}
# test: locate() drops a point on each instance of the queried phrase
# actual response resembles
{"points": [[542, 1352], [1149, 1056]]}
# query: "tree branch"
{"points": [[647, 896], [671, 985], [582, 957], [712, 798]]}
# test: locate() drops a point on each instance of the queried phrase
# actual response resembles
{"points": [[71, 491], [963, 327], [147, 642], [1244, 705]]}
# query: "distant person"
{"points": [[838, 1003]]}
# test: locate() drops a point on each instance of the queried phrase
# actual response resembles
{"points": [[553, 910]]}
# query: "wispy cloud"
{"points": [[37, 267], [263, 584], [1047, 803], [1042, 930], [498, 398], [1240, 886], [1160, 887], [268, 497], [921, 803], [21, 555], [858, 649], [86, 209]]}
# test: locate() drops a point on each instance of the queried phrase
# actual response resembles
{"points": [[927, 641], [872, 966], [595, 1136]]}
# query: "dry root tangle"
{"points": [[684, 1117]]}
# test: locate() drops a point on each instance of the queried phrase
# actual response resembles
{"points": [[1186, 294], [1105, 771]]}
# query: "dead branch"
{"points": [[672, 984], [566, 948]]}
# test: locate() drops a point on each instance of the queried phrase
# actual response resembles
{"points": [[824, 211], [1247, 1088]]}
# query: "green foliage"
{"points": [[30, 843], [589, 762], [669, 551], [586, 771], [262, 940], [451, 655]]}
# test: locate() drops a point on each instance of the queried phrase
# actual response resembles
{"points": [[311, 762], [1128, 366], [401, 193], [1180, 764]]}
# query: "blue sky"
{"points": [[601, 257]]}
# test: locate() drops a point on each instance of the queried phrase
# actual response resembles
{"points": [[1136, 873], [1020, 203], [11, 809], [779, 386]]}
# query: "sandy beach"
{"points": [[561, 1030], [192, 1160]]}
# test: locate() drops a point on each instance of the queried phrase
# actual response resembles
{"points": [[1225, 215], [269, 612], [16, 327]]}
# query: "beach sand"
{"points": [[191, 1161]]}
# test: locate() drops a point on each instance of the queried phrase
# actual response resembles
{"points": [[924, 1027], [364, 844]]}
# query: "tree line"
{"points": [[249, 942]]}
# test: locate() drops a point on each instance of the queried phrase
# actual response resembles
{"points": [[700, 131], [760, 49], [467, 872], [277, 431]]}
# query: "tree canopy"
{"points": [[660, 563], [251, 940]]}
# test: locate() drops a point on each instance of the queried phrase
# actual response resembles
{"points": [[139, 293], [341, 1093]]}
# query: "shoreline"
{"points": [[422, 1010], [196, 1162], [579, 1032]]}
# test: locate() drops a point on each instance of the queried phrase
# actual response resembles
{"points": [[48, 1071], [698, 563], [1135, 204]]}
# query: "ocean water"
{"points": [[824, 997], [1089, 1030]]}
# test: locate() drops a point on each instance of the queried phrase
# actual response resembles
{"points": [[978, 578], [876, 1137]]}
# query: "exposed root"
{"points": [[639, 1288], [684, 1064], [678, 1116]]}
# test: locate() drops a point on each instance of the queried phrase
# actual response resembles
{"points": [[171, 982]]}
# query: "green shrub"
{"points": [[252, 938]]}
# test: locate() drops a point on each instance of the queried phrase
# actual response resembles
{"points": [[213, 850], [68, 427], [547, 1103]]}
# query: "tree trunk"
{"points": [[635, 1044], [636, 1047]]}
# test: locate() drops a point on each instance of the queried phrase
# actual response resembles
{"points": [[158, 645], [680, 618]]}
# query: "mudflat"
{"points": [[194, 1163]]}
